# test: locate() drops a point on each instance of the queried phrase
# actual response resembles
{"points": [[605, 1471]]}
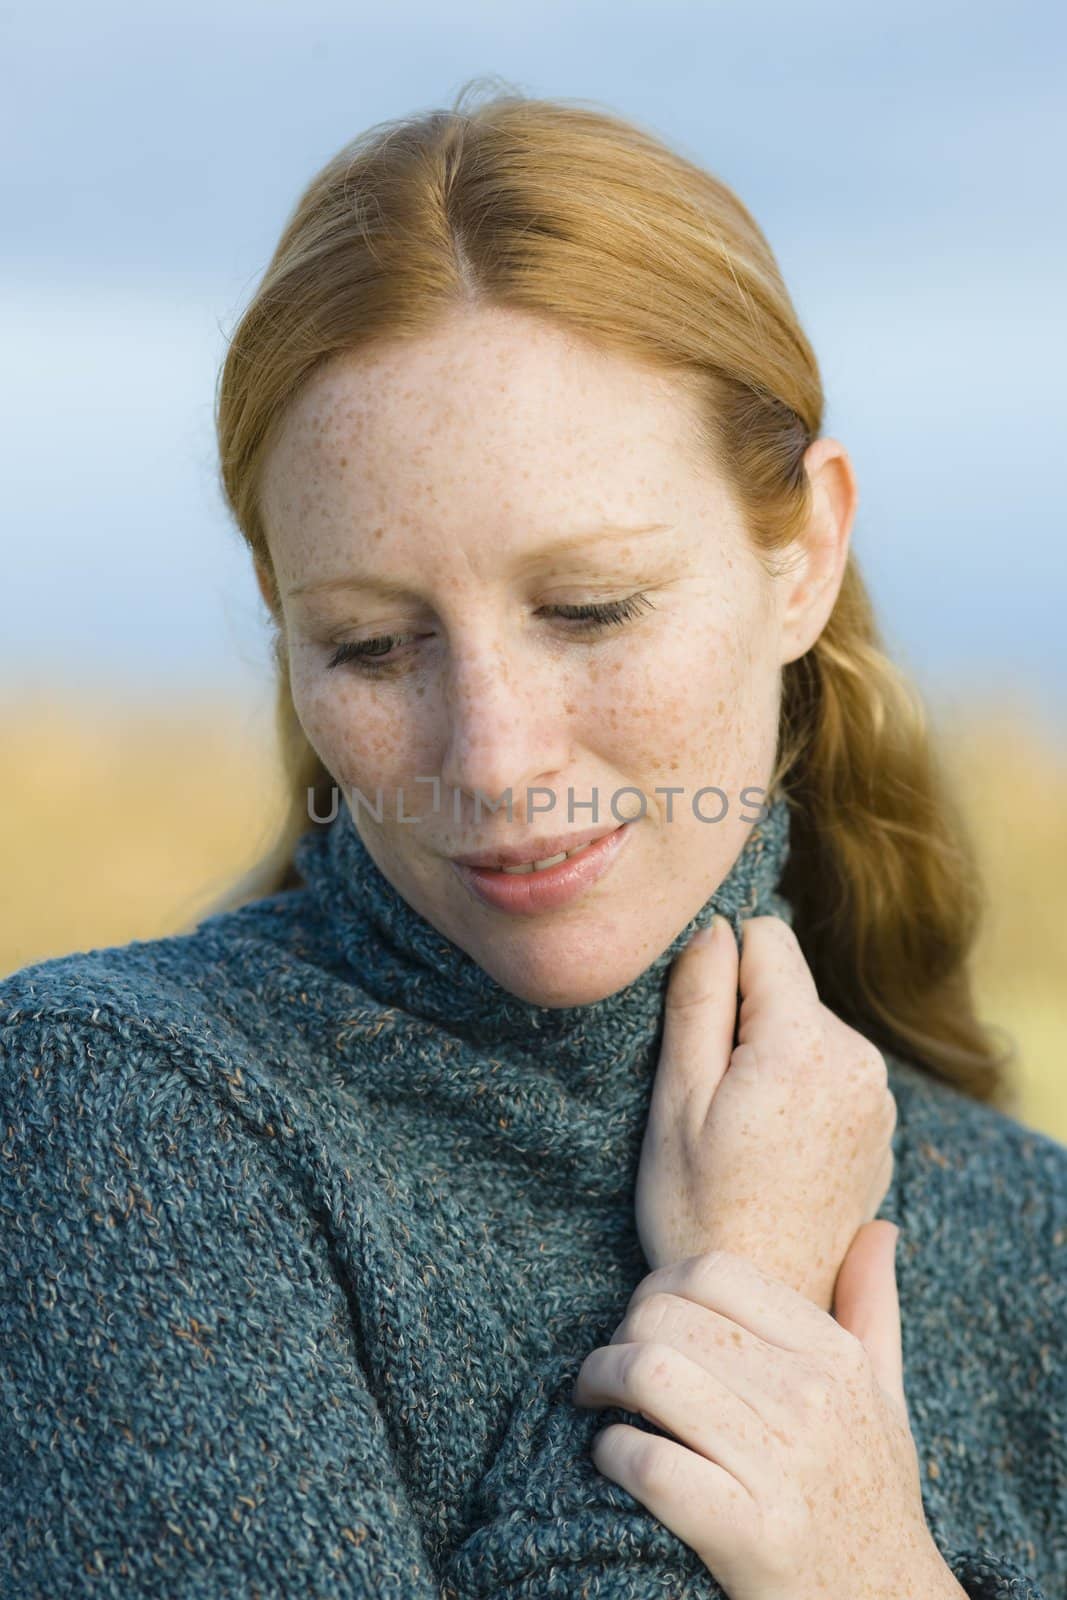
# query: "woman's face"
{"points": [[438, 501]]}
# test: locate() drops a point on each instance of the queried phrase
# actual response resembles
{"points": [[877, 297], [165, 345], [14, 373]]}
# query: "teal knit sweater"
{"points": [[309, 1225]]}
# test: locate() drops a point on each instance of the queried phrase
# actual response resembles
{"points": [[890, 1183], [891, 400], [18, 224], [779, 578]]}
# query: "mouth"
{"points": [[537, 855], [547, 862], [528, 888]]}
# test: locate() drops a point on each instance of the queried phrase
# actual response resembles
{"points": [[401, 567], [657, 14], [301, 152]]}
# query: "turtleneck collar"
{"points": [[405, 964]]}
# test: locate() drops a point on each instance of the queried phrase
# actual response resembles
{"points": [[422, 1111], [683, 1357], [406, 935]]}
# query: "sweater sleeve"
{"points": [[181, 1414], [983, 1575], [552, 1525], [549, 1524], [182, 1410]]}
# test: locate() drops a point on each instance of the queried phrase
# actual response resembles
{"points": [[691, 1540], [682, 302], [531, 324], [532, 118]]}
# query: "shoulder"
{"points": [[173, 1328], [122, 1038], [93, 1051], [226, 1034], [214, 988], [981, 1199], [131, 1099], [947, 1138]]}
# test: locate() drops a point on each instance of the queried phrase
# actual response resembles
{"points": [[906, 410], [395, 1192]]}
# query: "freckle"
{"points": [[344, 461]]}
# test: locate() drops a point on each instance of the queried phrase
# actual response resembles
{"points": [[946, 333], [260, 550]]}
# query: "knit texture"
{"points": [[309, 1226]]}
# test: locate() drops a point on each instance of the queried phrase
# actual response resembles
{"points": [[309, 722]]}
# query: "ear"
{"points": [[815, 564]]}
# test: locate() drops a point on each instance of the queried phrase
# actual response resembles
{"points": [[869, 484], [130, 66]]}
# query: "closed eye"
{"points": [[373, 656]]}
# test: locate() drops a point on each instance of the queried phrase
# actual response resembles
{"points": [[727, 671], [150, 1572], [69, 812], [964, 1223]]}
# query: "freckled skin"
{"points": [[784, 1455], [443, 463], [778, 1148]]}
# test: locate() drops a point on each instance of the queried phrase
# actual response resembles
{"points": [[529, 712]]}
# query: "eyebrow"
{"points": [[558, 547]]}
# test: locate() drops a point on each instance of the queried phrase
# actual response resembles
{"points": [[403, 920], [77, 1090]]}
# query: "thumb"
{"points": [[700, 1012], [867, 1305]]}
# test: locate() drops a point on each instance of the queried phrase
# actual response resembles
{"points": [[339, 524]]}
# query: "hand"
{"points": [[778, 1150], [795, 1473]]}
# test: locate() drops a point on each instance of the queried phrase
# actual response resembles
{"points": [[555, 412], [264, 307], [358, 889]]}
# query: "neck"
{"points": [[409, 966]]}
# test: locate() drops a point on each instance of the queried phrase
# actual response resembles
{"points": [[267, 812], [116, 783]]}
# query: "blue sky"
{"points": [[905, 163]]}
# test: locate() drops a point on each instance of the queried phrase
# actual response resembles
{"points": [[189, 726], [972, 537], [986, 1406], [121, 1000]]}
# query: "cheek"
{"points": [[354, 729], [696, 711]]}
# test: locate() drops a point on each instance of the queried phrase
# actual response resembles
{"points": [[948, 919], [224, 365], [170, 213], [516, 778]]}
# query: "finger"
{"points": [[867, 1302], [880, 1187], [662, 1385], [759, 1373], [742, 1292], [698, 1028], [701, 1503], [775, 980]]}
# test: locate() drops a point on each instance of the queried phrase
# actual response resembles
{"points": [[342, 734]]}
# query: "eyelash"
{"points": [[367, 655]]}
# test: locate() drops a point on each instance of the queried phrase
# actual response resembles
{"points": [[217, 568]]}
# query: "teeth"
{"points": [[549, 861]]}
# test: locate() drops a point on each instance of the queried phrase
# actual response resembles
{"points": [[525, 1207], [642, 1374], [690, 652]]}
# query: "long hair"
{"points": [[565, 210]]}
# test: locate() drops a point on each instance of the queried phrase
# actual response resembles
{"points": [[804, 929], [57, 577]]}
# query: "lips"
{"points": [[529, 894], [533, 849]]}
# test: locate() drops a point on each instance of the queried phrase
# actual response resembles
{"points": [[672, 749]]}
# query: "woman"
{"points": [[427, 1223]]}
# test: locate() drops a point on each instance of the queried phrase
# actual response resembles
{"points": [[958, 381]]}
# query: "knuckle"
{"points": [[875, 1063], [645, 1365], [830, 1019], [703, 1269], [649, 1283], [814, 1391], [654, 1466], [702, 1274], [862, 1051], [649, 1315], [863, 1061]]}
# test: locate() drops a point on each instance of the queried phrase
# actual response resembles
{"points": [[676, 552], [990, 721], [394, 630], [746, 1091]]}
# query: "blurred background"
{"points": [[905, 164]]}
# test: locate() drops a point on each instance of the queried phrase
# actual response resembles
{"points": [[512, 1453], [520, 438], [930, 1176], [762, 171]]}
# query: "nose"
{"points": [[507, 728]]}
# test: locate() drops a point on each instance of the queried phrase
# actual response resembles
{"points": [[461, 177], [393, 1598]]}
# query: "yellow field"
{"points": [[119, 828]]}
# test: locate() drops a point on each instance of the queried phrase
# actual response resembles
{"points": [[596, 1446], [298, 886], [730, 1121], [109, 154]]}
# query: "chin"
{"points": [[559, 981]]}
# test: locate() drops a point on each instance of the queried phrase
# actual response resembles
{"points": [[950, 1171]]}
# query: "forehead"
{"points": [[498, 401]]}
